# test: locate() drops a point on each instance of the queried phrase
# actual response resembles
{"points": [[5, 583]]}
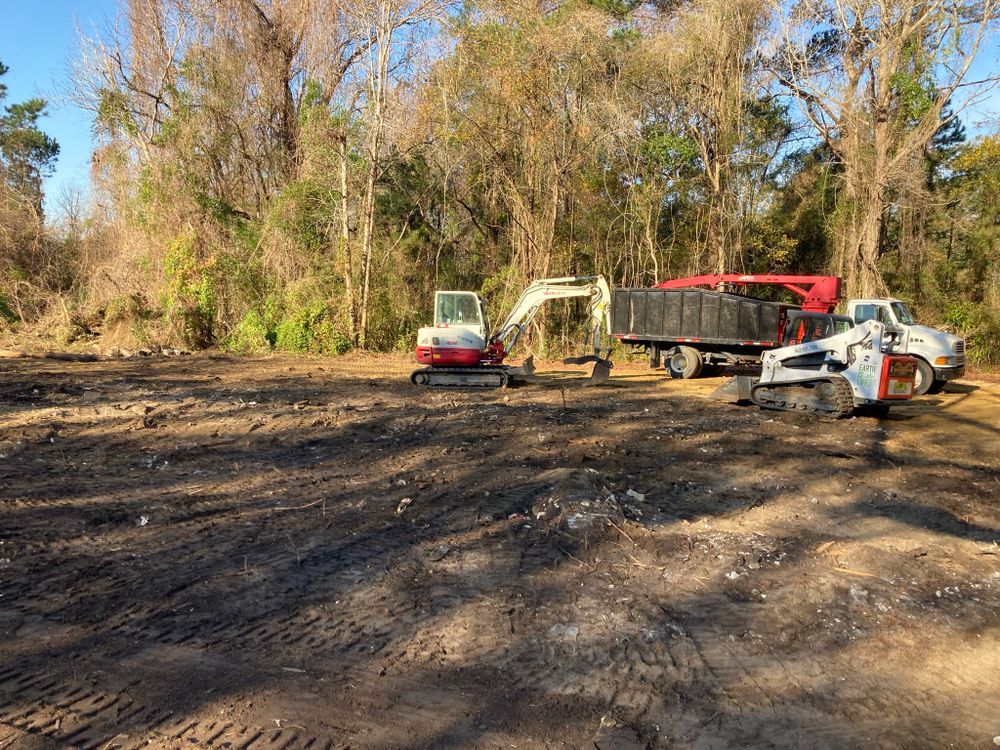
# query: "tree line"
{"points": [[303, 174]]}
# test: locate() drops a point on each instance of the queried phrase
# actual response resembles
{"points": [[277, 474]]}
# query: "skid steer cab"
{"points": [[830, 367]]}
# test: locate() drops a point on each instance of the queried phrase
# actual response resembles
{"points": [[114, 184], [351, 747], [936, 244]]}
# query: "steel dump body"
{"points": [[708, 320]]}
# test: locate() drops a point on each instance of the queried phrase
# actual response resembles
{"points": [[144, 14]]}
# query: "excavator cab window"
{"points": [[458, 308]]}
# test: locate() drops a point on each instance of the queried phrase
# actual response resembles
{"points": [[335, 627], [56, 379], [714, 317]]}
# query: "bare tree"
{"points": [[389, 32], [714, 83], [527, 98], [874, 78]]}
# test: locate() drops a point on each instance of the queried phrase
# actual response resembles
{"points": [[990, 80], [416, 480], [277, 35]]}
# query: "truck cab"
{"points": [[940, 356]]}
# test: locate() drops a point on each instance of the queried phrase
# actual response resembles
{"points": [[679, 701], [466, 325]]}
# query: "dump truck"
{"points": [[695, 331]]}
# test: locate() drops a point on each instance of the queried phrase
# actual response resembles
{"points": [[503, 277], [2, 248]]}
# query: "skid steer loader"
{"points": [[829, 367]]}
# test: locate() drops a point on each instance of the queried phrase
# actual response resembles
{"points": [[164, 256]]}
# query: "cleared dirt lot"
{"points": [[215, 552]]}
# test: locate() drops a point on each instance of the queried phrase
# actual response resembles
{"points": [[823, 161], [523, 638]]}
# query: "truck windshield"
{"points": [[903, 314]]}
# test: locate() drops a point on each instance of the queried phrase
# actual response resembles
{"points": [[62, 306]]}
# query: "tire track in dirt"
{"points": [[452, 623], [71, 713]]}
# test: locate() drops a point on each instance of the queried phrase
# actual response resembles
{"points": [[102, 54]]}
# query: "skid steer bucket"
{"points": [[736, 390]]}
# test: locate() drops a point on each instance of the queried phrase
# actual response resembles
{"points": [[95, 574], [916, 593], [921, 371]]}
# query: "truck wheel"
{"points": [[684, 362], [937, 386], [924, 379]]}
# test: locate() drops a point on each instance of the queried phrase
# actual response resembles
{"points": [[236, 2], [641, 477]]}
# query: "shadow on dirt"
{"points": [[243, 549]]}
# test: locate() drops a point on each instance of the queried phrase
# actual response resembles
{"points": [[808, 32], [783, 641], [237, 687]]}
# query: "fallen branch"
{"points": [[621, 530], [303, 507], [592, 568], [855, 572]]}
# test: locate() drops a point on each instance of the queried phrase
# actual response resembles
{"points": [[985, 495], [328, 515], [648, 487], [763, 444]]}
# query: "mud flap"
{"points": [[736, 390]]}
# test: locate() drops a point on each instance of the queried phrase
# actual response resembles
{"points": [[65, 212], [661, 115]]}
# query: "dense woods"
{"points": [[303, 174]]}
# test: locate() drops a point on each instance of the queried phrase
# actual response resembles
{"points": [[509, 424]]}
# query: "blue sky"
{"points": [[37, 42], [38, 38]]}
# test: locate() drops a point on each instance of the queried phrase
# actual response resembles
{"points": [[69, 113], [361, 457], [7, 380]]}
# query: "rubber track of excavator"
{"points": [[461, 377], [797, 397]]}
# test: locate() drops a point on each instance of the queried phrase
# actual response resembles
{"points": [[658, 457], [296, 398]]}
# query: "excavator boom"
{"points": [[540, 292]]}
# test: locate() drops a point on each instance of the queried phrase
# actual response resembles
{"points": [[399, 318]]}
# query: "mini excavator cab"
{"points": [[463, 309]]}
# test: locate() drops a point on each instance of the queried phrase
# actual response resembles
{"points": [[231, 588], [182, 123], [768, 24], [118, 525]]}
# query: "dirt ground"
{"points": [[303, 553]]}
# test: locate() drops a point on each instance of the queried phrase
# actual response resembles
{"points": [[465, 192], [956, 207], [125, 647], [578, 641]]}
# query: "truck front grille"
{"points": [[959, 347]]}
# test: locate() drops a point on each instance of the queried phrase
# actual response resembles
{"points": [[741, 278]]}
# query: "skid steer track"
{"points": [[828, 397]]}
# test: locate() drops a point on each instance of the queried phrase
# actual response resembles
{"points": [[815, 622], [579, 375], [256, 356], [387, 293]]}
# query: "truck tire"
{"points": [[924, 379], [937, 386], [683, 362]]}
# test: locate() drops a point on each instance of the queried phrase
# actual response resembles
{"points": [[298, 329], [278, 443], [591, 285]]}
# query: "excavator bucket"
{"points": [[523, 371], [736, 390], [601, 373], [602, 368]]}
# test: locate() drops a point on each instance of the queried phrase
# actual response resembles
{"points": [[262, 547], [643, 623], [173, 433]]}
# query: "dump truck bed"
{"points": [[695, 316]]}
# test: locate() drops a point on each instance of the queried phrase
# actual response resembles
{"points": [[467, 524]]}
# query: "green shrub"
{"points": [[251, 335], [190, 293], [961, 315], [7, 315], [310, 328]]}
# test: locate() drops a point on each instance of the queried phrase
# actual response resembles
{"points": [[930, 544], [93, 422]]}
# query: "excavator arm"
{"points": [[543, 290]]}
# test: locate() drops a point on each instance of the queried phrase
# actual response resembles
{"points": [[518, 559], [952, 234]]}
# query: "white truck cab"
{"points": [[940, 356]]}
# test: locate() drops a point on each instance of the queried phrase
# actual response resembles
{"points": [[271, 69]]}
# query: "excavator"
{"points": [[830, 367], [460, 351]]}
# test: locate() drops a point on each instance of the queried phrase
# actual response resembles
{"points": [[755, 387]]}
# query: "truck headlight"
{"points": [[946, 361]]}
